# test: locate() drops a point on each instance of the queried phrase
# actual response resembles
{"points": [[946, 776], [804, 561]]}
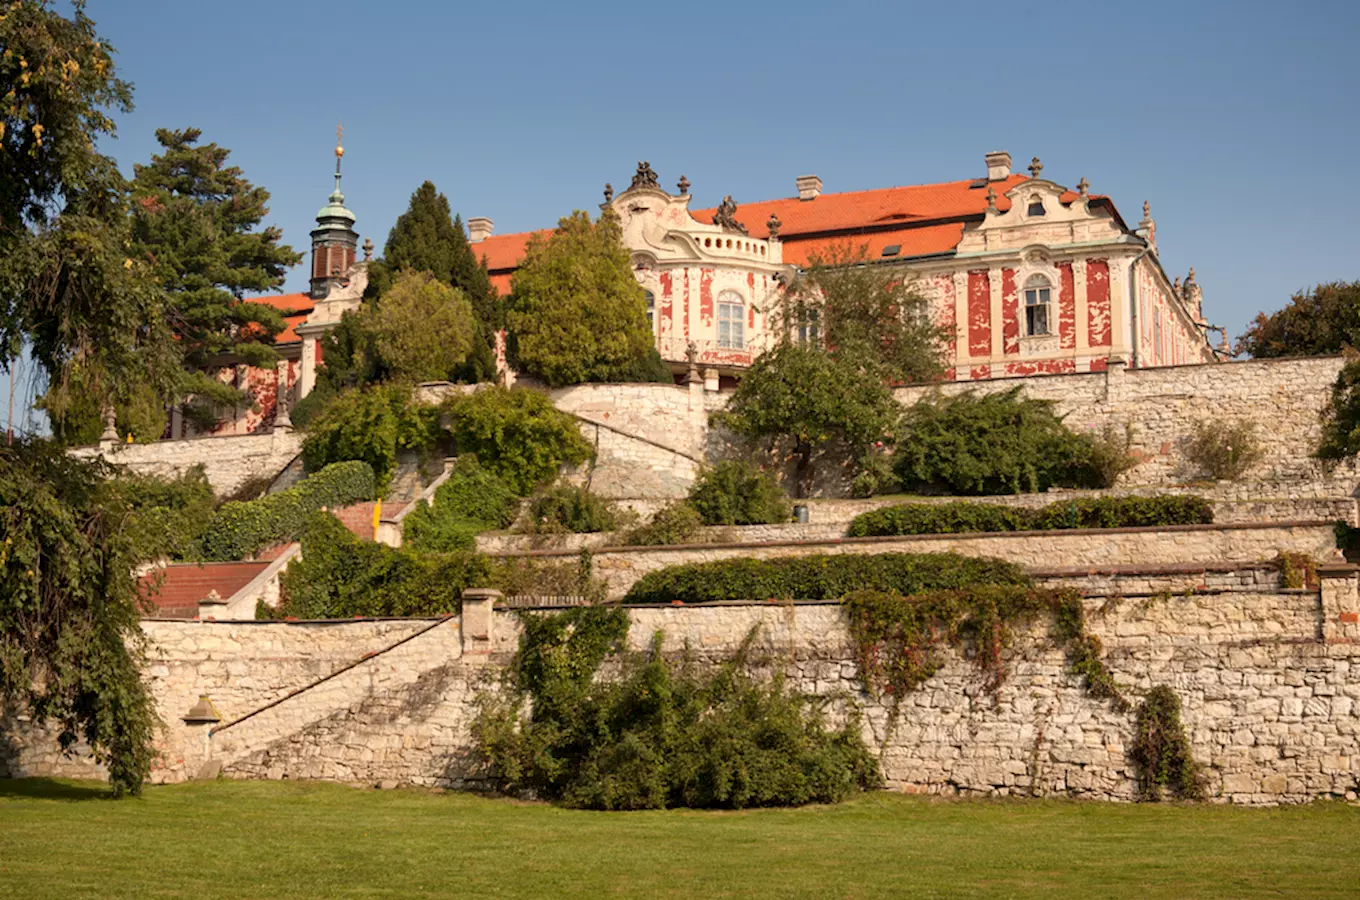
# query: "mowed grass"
{"points": [[296, 839]]}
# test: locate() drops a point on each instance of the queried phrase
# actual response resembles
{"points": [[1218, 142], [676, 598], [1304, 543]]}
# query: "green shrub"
{"points": [[568, 509], [519, 576], [470, 501], [240, 529], [1125, 512], [517, 434], [661, 735], [962, 516], [169, 515], [370, 424], [999, 443], [819, 577], [957, 517], [674, 523], [340, 576], [1161, 750], [1111, 454], [736, 492], [1225, 450]]}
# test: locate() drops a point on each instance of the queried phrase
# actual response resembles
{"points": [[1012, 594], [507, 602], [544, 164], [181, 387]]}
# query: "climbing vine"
{"points": [[1161, 750]]}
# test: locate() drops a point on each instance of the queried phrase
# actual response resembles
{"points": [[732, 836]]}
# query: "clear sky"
{"points": [[1238, 120]]}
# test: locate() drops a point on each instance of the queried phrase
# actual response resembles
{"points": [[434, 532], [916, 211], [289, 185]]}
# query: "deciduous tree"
{"points": [[423, 329], [1316, 322]]}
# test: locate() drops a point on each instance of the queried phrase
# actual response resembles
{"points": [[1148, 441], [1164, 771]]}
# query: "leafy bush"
{"points": [[1225, 450], [962, 516], [238, 529], [517, 434], [999, 443], [819, 577], [674, 523], [518, 576], [568, 509], [370, 424], [1124, 512], [736, 492], [957, 517], [340, 576], [1111, 454], [169, 515], [661, 735], [1161, 750], [470, 501], [1341, 418]]}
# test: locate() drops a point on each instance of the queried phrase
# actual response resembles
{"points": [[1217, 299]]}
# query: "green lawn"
{"points": [[290, 839]]}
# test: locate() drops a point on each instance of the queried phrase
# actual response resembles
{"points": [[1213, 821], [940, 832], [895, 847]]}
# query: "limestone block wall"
{"points": [[229, 461], [1269, 702], [621, 567]]}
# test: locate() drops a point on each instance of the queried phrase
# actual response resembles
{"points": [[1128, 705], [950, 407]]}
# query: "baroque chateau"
{"points": [[1026, 275]]}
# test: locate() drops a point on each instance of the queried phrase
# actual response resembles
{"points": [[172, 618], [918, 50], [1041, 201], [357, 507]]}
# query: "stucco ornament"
{"points": [[645, 177], [725, 217]]}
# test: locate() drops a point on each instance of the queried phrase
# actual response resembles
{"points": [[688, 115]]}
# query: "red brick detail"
{"points": [[979, 373], [358, 518], [1098, 302], [979, 314], [667, 309], [706, 300], [1010, 314], [1067, 307], [1350, 617], [1099, 365], [751, 300], [1041, 367]]}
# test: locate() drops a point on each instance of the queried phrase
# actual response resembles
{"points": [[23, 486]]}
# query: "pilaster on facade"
{"points": [[1081, 319]]}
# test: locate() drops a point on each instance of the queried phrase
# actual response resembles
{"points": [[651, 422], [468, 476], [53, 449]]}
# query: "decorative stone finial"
{"points": [[774, 225], [1176, 284], [683, 185], [726, 216], [1147, 210], [368, 249], [1035, 167], [110, 425], [608, 192], [1083, 187], [202, 712], [991, 200], [1190, 279], [645, 176], [692, 355]]}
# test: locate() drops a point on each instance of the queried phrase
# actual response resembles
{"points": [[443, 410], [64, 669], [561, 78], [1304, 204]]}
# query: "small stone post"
{"points": [[1339, 587], [478, 620], [198, 722]]}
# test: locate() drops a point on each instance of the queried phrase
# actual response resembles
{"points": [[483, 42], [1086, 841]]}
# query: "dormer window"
{"points": [[1038, 292], [1036, 206], [731, 321]]}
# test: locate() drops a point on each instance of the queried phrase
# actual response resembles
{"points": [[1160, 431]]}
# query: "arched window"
{"points": [[651, 310], [1036, 206], [1038, 292], [731, 321]]}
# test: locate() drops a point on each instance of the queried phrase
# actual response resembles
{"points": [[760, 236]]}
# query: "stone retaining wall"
{"points": [[229, 461], [1270, 704], [621, 567]]}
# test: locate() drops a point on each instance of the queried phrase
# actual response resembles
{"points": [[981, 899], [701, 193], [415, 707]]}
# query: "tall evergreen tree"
{"points": [[196, 224], [428, 238]]}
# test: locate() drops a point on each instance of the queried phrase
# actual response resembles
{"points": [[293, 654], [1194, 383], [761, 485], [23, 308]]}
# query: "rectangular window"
{"points": [[732, 326], [1036, 311], [809, 330]]}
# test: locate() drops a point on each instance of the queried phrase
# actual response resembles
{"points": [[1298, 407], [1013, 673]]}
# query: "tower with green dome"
{"points": [[334, 238]]}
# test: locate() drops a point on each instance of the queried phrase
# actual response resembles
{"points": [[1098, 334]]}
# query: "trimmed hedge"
{"points": [[239, 529], [819, 577], [962, 517]]}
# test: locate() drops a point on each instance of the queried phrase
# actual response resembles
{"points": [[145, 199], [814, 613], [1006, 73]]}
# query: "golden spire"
{"points": [[339, 136]]}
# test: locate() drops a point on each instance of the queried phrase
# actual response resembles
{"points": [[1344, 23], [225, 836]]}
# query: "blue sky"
{"points": [[1238, 121]]}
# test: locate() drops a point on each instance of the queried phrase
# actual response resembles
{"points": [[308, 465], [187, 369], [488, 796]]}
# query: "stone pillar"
{"points": [[307, 379], [478, 620], [198, 723], [711, 380], [1114, 381], [282, 422], [1339, 588]]}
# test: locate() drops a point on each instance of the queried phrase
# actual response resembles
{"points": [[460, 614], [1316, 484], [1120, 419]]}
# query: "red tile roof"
{"points": [[358, 518], [922, 219], [174, 590], [295, 309]]}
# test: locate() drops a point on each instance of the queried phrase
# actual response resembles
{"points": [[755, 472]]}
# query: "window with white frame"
{"points": [[731, 321], [1038, 295]]}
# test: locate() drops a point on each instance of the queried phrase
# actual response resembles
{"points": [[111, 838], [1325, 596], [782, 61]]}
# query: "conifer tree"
{"points": [[196, 224], [576, 313], [428, 238]]}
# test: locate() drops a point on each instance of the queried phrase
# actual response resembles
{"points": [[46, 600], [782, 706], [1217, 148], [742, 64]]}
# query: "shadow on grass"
{"points": [[51, 789]]}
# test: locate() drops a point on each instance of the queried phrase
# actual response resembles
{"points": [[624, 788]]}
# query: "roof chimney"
{"points": [[998, 165], [479, 229], [809, 187]]}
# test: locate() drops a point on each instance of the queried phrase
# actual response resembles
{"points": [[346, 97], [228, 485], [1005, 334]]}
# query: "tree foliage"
{"points": [[67, 286], [423, 329], [70, 638], [426, 238], [812, 399], [517, 434], [1341, 418], [857, 306], [1317, 322], [576, 313]]}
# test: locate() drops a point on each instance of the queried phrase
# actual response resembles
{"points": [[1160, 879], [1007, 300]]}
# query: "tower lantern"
{"points": [[334, 238]]}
